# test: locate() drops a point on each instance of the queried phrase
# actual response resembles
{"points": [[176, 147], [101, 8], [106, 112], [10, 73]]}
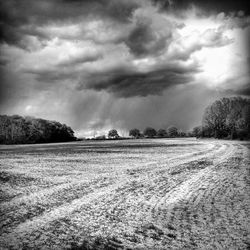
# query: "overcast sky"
{"points": [[101, 64]]}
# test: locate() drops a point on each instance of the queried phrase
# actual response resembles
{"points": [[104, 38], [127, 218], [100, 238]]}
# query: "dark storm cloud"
{"points": [[121, 81], [17, 12], [9, 34], [51, 75], [144, 39], [128, 82], [65, 69], [20, 18], [3, 62], [211, 5]]}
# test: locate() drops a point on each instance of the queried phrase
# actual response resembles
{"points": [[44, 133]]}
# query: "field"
{"points": [[131, 194]]}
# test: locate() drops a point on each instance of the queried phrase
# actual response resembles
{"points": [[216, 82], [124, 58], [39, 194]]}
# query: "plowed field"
{"points": [[131, 194]]}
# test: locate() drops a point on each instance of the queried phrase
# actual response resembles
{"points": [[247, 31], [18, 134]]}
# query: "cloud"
{"points": [[151, 56], [99, 31], [208, 6], [24, 18], [151, 33], [128, 82], [51, 75], [185, 46], [143, 41], [58, 61], [45, 11], [21, 20], [80, 59]]}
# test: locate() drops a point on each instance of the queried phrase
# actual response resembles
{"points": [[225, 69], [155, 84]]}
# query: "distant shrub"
{"points": [[113, 134], [182, 134], [197, 131], [162, 133], [149, 132], [172, 131], [135, 133]]}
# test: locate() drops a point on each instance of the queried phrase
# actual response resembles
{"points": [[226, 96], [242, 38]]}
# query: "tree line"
{"points": [[17, 129], [226, 118], [148, 132]]}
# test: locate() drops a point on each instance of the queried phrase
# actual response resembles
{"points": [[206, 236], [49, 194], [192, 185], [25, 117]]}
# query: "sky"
{"points": [[102, 64]]}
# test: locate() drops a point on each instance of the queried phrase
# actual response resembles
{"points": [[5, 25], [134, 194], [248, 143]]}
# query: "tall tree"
{"points": [[225, 117]]}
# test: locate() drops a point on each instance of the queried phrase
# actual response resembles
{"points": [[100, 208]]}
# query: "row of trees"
{"points": [[226, 118], [17, 129], [147, 133], [162, 133]]}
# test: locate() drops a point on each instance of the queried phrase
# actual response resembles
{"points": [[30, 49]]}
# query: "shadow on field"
{"points": [[194, 165], [100, 244]]}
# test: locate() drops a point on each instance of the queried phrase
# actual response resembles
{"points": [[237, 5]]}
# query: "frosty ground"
{"points": [[131, 194]]}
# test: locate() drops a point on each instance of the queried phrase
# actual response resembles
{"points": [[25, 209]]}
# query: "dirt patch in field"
{"points": [[15, 179]]}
